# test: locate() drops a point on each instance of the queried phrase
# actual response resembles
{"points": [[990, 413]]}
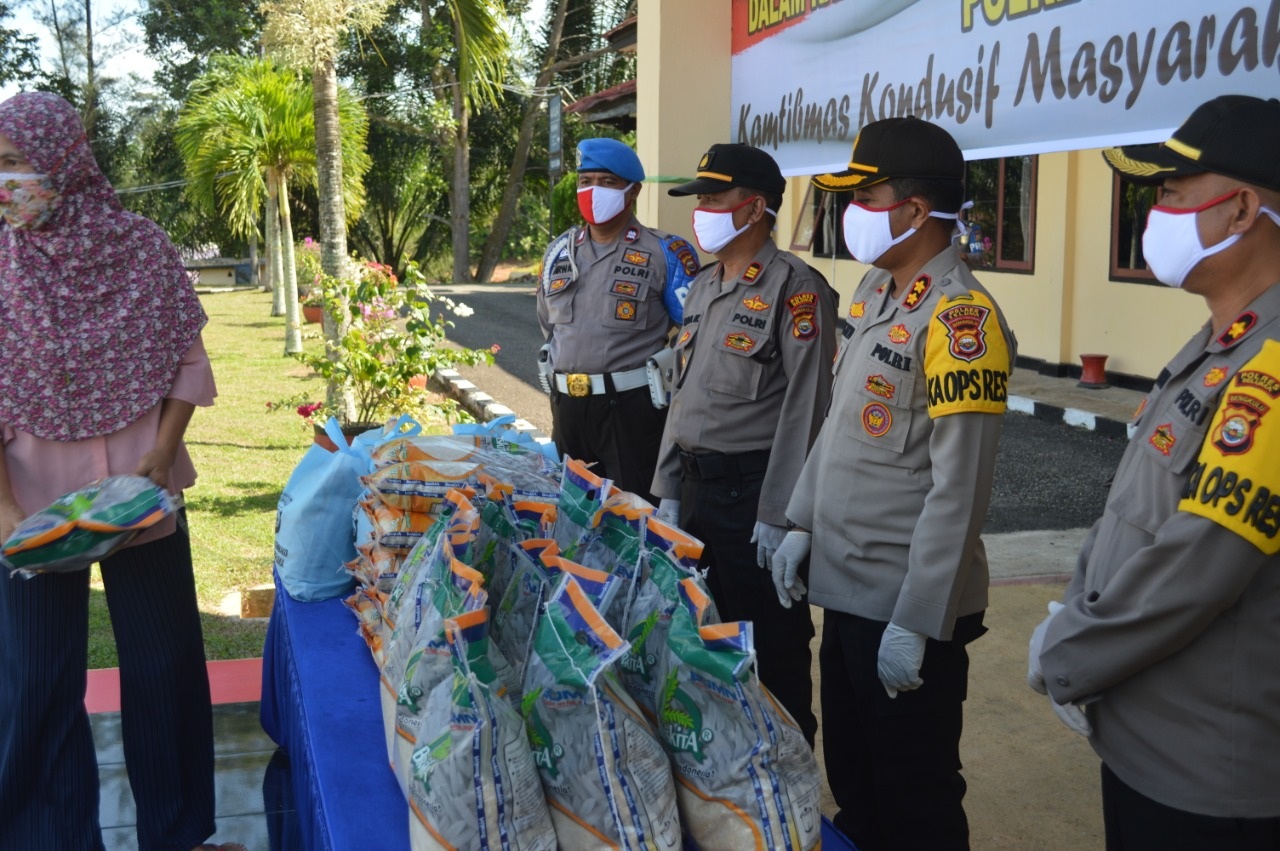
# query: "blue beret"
{"points": [[612, 156]]}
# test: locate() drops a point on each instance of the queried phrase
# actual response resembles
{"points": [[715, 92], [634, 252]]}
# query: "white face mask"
{"points": [[867, 234], [714, 228], [1171, 243], [600, 204]]}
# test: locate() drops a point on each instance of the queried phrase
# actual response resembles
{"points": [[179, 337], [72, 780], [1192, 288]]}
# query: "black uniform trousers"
{"points": [[721, 512], [48, 767], [619, 433], [1134, 822], [893, 765]]}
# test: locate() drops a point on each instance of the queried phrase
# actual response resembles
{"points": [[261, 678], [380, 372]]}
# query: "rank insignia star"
{"points": [[1237, 329], [917, 292]]}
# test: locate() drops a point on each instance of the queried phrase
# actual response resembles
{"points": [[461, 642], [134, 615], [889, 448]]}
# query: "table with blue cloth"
{"points": [[321, 704]]}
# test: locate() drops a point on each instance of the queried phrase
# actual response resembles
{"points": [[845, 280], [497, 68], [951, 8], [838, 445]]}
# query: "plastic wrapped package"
{"points": [[473, 784], [582, 495], [85, 525], [745, 775], [603, 769]]}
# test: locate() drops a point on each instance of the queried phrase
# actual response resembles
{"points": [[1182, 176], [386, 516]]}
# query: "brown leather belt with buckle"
{"points": [[578, 383]]}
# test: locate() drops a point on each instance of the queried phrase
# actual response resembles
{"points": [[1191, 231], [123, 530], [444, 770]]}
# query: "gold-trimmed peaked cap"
{"points": [[1234, 135], [897, 147], [727, 165]]}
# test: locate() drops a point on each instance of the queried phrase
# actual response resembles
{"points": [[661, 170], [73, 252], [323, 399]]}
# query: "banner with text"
{"points": [[1004, 77]]}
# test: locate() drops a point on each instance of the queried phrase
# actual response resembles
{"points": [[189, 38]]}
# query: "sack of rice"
{"points": [[473, 783], [745, 775], [615, 546], [602, 767], [428, 663], [516, 614], [582, 494], [669, 556], [420, 485], [85, 526]]}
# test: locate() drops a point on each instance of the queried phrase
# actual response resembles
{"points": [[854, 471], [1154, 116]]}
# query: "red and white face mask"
{"points": [[1171, 243], [600, 204]]}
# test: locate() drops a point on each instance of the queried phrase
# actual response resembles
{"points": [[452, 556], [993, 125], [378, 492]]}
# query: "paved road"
{"points": [[1048, 476]]}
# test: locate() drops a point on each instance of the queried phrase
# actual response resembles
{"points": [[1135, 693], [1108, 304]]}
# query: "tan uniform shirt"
{"points": [[754, 355], [607, 308], [1172, 619], [897, 486]]}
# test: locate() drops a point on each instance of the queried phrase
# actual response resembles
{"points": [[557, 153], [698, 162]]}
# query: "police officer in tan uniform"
{"points": [[754, 355], [1164, 650], [608, 294], [893, 497]]}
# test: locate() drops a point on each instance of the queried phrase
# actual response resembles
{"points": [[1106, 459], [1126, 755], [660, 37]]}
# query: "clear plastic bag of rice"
{"points": [[669, 556], [473, 783], [582, 495], [85, 525], [745, 776], [602, 766]]}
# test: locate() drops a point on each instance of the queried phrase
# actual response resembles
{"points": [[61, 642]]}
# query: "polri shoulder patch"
{"points": [[967, 360], [1236, 478]]}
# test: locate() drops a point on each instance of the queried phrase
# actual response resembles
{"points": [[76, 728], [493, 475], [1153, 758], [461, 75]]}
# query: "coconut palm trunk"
{"points": [[460, 200], [292, 308], [275, 255]]}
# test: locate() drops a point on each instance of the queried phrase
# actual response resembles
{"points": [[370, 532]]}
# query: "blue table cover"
{"points": [[320, 702]]}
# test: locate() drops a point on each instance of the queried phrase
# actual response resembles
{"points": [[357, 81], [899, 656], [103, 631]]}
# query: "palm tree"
{"points": [[246, 135], [475, 79]]}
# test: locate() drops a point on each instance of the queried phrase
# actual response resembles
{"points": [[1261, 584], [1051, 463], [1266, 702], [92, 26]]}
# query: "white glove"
{"points": [[785, 566], [1070, 714], [1073, 716], [766, 537], [899, 660], [669, 511], [1035, 676]]}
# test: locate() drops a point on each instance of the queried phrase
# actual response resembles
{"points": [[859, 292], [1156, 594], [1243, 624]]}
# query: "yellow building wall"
{"points": [[1066, 307]]}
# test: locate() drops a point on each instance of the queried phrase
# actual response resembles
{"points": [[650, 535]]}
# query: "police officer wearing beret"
{"points": [[608, 295], [754, 357], [892, 499], [1164, 648]]}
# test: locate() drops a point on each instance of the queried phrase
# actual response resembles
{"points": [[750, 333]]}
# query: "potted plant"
{"points": [[395, 333], [313, 307]]}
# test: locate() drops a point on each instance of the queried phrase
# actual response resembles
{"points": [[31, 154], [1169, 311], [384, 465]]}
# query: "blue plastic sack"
{"points": [[314, 538], [500, 428]]}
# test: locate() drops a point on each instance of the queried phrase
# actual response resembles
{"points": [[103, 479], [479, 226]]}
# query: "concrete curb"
{"points": [[1103, 425], [479, 404]]}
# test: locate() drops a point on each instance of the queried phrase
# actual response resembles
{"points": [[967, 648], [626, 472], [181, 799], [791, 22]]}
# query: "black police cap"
{"points": [[1234, 135], [897, 147], [726, 165]]}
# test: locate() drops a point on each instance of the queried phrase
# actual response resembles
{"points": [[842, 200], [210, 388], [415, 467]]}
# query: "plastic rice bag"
{"points": [[615, 546], [420, 485], [582, 495], [670, 556], [745, 775], [367, 607], [602, 766], [428, 662], [474, 784], [516, 615], [85, 525]]}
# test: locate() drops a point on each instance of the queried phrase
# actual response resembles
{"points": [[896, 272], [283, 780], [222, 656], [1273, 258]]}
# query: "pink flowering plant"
{"points": [[391, 334]]}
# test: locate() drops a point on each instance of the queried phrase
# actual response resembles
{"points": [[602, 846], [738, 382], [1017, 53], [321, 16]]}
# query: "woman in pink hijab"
{"points": [[101, 367]]}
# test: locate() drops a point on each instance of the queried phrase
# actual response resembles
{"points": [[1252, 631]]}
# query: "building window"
{"points": [[1130, 204], [1002, 219]]}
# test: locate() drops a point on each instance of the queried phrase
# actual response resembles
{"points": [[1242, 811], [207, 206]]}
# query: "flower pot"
{"points": [[313, 314], [321, 438]]}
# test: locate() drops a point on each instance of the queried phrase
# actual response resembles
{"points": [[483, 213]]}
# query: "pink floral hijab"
{"points": [[96, 310]]}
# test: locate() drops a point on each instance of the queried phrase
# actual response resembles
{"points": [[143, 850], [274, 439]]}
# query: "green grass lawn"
{"points": [[243, 456]]}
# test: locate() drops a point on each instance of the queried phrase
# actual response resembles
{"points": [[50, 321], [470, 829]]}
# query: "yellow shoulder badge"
{"points": [[1236, 480], [966, 360]]}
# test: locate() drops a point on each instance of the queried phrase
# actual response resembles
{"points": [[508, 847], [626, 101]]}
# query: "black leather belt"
{"points": [[715, 465]]}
